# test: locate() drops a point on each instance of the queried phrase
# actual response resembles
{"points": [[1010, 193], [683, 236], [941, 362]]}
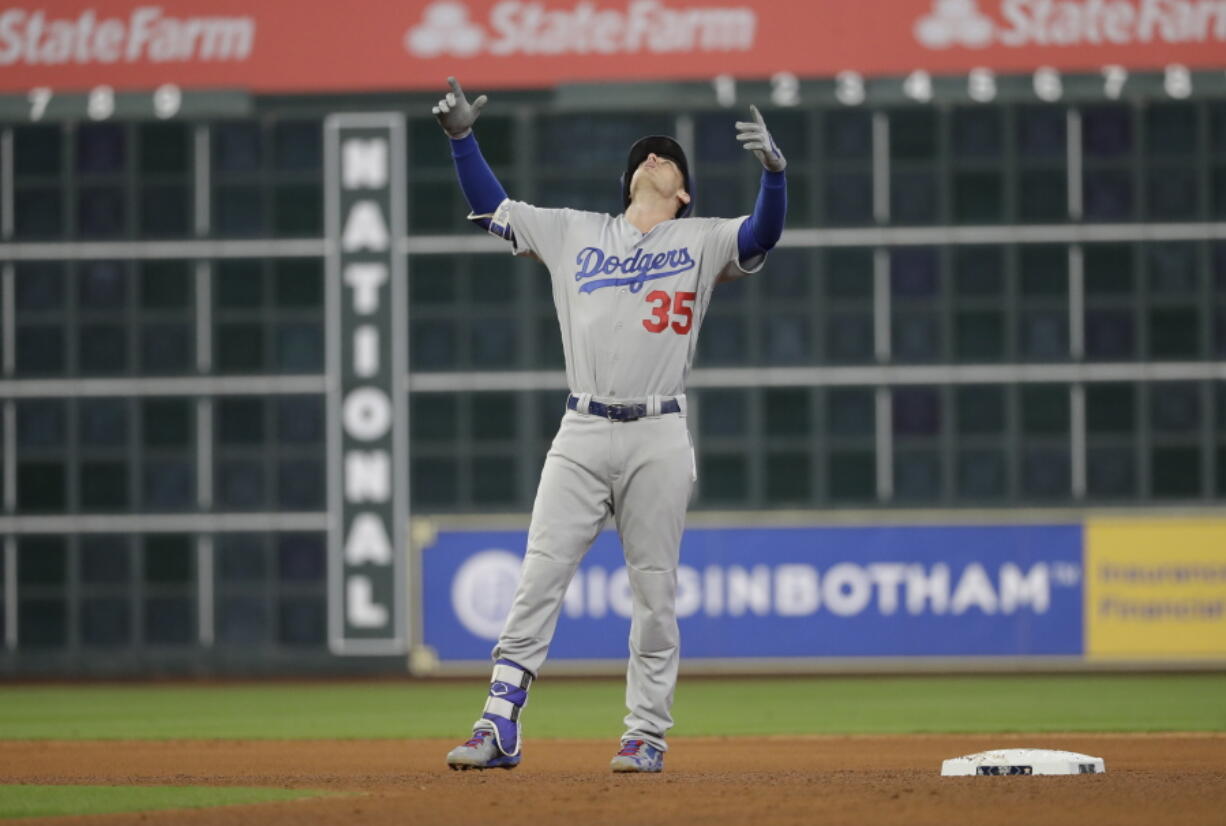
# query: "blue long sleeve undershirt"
{"points": [[761, 230], [758, 234], [477, 180]]}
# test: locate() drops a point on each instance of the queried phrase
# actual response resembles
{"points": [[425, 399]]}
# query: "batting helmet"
{"points": [[665, 147]]}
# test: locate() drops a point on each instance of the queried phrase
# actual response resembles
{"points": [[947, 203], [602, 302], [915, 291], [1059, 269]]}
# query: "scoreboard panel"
{"points": [[999, 291]]}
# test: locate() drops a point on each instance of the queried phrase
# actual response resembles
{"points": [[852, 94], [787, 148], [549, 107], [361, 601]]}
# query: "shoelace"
{"points": [[478, 738], [630, 748]]}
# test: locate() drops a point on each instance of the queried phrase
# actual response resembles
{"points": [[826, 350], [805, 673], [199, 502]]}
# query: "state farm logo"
{"points": [[445, 29], [145, 34], [529, 28], [1068, 23], [954, 22]]}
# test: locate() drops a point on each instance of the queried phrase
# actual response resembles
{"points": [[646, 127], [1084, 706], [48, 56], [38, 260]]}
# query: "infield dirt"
{"points": [[1156, 778]]}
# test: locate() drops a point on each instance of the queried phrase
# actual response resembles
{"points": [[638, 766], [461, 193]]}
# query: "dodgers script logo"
{"points": [[638, 269]]}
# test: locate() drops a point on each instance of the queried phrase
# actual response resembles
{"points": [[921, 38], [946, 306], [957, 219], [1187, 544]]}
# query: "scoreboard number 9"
{"points": [[166, 101]]}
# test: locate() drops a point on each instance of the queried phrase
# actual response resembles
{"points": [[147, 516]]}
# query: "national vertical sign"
{"points": [[368, 487]]}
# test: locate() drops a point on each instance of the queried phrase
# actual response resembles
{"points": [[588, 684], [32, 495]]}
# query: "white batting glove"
{"points": [[755, 137], [455, 114]]}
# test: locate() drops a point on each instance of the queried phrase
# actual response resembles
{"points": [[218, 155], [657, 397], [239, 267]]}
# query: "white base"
{"points": [[1022, 762]]}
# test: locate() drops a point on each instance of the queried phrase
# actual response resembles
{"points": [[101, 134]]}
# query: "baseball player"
{"points": [[630, 293]]}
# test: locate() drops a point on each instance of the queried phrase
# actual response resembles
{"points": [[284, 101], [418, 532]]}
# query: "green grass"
{"points": [[906, 705], [49, 801], [593, 708]]}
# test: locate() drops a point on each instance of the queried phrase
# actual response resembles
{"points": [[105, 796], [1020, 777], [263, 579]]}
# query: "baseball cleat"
{"points": [[638, 756], [480, 752]]}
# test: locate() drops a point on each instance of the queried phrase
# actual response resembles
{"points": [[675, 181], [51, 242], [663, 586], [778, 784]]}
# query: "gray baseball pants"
{"points": [[641, 473]]}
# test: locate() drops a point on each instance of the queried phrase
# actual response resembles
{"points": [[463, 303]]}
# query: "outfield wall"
{"points": [[1099, 592]]}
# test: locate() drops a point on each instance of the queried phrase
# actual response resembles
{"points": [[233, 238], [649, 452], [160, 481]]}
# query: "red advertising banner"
{"points": [[296, 46]]}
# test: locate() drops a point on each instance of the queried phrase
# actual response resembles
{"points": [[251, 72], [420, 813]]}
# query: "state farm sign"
{"points": [[283, 46], [1071, 23], [514, 27], [35, 37]]}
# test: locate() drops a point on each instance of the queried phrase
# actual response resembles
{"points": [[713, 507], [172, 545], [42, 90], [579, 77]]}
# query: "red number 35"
{"points": [[681, 304]]}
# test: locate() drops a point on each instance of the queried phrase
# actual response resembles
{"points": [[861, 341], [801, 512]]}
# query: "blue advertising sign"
{"points": [[896, 591]]}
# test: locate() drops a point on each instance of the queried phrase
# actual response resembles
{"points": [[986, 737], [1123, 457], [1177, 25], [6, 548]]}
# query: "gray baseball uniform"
{"points": [[629, 306]]}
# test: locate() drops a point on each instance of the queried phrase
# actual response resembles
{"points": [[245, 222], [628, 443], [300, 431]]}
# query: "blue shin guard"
{"points": [[508, 695]]}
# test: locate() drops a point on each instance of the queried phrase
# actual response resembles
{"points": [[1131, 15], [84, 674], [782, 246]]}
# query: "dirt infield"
{"points": [[1169, 779]]}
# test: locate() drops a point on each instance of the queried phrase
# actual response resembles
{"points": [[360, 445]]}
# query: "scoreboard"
{"points": [[783, 89], [241, 385], [103, 103]]}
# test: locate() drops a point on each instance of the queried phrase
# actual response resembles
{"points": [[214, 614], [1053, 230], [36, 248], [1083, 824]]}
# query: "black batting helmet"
{"points": [[666, 147]]}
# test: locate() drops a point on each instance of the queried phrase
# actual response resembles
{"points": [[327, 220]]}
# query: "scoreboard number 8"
{"points": [[101, 104], [1177, 81]]}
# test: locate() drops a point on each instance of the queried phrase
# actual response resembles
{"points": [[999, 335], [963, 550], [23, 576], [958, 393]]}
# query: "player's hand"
{"points": [[755, 137], [455, 114]]}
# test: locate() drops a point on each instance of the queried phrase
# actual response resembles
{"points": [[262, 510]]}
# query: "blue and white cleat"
{"points": [[481, 751], [638, 756]]}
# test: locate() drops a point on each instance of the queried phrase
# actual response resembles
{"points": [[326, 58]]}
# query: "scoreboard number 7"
{"points": [[39, 97]]}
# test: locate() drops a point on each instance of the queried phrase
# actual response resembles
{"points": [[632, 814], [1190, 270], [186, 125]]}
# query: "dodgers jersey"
{"points": [[629, 304]]}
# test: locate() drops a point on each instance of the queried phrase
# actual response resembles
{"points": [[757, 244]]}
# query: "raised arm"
{"points": [[480, 186], [760, 232]]}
